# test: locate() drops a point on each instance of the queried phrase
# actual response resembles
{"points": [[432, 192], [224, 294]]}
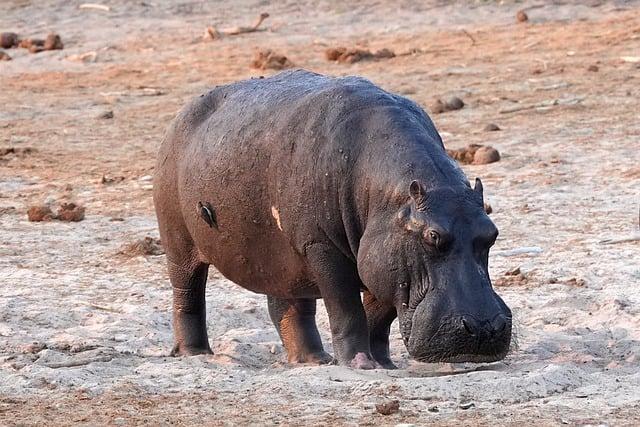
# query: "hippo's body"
{"points": [[303, 186]]}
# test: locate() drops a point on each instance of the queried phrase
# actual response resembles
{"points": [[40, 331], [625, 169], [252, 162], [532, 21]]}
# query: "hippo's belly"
{"points": [[247, 244]]}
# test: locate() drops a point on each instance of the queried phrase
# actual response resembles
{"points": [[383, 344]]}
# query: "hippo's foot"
{"points": [[386, 363], [185, 350], [314, 358], [362, 361]]}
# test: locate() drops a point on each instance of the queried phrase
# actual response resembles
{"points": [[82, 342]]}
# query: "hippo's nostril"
{"points": [[468, 326], [499, 323]]}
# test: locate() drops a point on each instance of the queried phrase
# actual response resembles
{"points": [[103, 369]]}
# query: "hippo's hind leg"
{"points": [[379, 319], [295, 320], [188, 280]]}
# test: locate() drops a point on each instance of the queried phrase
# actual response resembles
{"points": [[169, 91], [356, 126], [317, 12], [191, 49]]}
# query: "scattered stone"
{"points": [[522, 16], [475, 154], [466, 405], [268, 59], [388, 407], [106, 115], [486, 155], [487, 208], [491, 127], [9, 40], [33, 347], [40, 213], [4, 56], [593, 68], [351, 55], [145, 246], [433, 408], [450, 104], [70, 212], [111, 179], [53, 42]]}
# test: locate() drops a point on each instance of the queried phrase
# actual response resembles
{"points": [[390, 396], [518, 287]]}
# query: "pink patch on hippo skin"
{"points": [[361, 361]]}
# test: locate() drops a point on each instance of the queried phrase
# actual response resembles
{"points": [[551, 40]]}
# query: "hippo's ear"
{"points": [[478, 188], [418, 193]]}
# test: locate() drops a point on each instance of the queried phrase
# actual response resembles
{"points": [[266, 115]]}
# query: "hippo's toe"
{"points": [[362, 361], [183, 350]]}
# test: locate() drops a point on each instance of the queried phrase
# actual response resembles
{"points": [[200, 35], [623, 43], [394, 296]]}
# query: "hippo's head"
{"points": [[430, 259]]}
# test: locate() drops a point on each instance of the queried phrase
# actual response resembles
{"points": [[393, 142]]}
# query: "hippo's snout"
{"points": [[464, 338]]}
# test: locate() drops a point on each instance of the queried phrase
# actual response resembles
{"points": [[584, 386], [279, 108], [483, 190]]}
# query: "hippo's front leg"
{"points": [[339, 285], [379, 319]]}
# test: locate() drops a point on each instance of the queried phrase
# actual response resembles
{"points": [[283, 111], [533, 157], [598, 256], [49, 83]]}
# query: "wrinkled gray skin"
{"points": [[303, 186]]}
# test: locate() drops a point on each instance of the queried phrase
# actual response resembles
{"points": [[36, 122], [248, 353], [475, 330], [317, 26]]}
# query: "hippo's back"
{"points": [[252, 152]]}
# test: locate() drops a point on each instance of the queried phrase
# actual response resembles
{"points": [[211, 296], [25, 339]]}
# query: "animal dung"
{"points": [[53, 42], [450, 104], [9, 40], [70, 212], [145, 246], [522, 16], [351, 55], [40, 213], [475, 154], [267, 59]]}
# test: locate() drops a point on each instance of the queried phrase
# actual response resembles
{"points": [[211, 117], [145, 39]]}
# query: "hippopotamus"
{"points": [[303, 186]]}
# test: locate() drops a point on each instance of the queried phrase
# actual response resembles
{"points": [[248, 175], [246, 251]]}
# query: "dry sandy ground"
{"points": [[85, 331]]}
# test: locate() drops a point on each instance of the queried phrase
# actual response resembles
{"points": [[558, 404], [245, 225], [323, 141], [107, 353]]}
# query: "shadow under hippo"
{"points": [[303, 186]]}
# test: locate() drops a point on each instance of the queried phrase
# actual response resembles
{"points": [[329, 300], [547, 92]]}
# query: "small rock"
{"points": [[491, 127], [40, 213], [268, 59], [387, 408], [111, 179], [522, 16], [433, 408], [4, 56], [593, 68], [70, 212], [485, 155], [487, 208], [34, 347], [514, 272], [53, 42], [106, 115], [9, 40], [450, 104]]}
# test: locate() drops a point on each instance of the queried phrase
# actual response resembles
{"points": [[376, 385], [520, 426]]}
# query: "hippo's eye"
{"points": [[434, 237]]}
